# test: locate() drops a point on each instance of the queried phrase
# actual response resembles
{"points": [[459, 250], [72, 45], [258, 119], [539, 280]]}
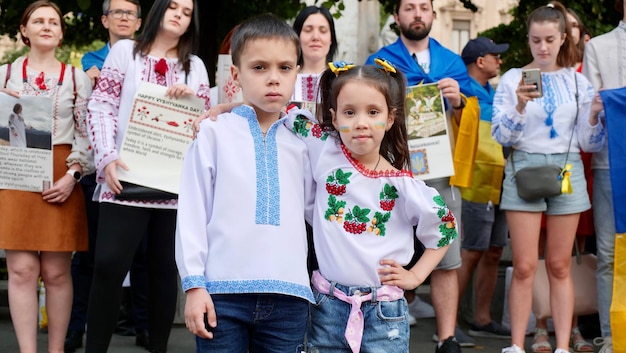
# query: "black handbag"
{"points": [[535, 183], [136, 192], [543, 181]]}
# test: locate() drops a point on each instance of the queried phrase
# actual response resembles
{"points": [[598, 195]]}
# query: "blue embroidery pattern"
{"points": [[549, 103], [266, 157], [260, 286], [193, 282]]}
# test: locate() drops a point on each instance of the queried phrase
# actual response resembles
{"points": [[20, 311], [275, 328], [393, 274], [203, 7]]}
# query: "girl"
{"points": [[545, 130], [45, 247], [162, 54], [367, 203]]}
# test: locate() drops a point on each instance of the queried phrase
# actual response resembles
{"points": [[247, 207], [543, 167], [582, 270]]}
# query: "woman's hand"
{"points": [[110, 175], [596, 108], [525, 94], [212, 114], [11, 93], [179, 90], [61, 190]]}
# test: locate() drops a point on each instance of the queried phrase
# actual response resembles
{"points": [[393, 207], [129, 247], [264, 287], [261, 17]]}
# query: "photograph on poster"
{"points": [[25, 142], [428, 131]]}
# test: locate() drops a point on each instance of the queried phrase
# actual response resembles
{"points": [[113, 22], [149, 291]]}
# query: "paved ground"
{"points": [[182, 341]]}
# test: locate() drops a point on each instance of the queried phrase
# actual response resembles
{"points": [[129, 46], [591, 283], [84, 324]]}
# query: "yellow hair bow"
{"points": [[385, 65], [338, 67]]}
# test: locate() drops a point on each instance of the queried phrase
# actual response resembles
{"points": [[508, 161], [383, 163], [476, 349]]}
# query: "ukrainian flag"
{"points": [[614, 101]]}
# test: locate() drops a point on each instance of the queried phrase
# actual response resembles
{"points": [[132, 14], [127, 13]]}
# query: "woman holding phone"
{"points": [[544, 127]]}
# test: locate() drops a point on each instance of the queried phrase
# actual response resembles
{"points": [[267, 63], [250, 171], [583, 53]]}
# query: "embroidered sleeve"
{"points": [[82, 152], [201, 79], [590, 138], [103, 107], [436, 225], [507, 124]]}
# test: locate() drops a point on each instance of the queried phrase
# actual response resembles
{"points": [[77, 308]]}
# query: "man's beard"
{"points": [[415, 33]]}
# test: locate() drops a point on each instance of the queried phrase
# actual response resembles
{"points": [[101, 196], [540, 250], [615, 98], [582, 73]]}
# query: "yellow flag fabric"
{"points": [[618, 305], [465, 146]]}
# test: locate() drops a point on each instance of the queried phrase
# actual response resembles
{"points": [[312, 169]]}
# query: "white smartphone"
{"points": [[533, 77]]}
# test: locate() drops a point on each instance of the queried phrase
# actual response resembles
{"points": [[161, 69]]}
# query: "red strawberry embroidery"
{"points": [[356, 220], [448, 217], [354, 227], [388, 197], [317, 131], [336, 183]]}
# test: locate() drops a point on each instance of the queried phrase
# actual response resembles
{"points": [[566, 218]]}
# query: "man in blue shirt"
{"points": [[424, 60]]}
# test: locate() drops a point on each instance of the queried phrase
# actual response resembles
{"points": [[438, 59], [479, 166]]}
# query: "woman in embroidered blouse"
{"points": [[316, 29], [539, 128], [162, 54], [44, 247]]}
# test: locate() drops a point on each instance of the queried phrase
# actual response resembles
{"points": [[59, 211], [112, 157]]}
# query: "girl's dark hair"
{"points": [[394, 146], [17, 108], [187, 43], [299, 22], [619, 6], [32, 8], [556, 12]]}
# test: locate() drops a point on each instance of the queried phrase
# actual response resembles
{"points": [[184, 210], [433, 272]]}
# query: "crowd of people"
{"points": [[322, 185]]}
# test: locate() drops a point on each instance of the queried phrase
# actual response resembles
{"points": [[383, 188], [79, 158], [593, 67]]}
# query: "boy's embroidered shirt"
{"points": [[363, 216], [241, 211]]}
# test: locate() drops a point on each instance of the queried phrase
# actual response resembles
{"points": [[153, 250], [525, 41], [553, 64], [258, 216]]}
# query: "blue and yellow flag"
{"points": [[614, 101]]}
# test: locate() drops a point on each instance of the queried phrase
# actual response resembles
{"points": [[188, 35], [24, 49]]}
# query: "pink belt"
{"points": [[354, 328]]}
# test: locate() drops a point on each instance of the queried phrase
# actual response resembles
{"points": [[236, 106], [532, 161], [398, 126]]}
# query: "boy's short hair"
{"points": [[266, 26]]}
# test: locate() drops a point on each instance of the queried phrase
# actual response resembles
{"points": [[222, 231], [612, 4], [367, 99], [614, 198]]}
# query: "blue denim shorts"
{"points": [[386, 325], [484, 225], [563, 204], [255, 323]]}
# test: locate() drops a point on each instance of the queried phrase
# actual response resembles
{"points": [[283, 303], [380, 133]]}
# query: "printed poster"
{"points": [[228, 90], [429, 134], [156, 139], [25, 143]]}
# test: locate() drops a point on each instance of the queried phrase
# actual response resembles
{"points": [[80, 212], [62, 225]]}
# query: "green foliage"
{"points": [[597, 15]]}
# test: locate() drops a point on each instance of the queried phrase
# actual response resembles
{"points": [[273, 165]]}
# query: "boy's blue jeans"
{"points": [[256, 323]]}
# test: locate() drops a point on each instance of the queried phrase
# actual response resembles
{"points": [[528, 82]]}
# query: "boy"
{"points": [[241, 242]]}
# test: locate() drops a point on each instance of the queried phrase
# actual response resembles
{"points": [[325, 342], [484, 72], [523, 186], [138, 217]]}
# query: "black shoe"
{"points": [[142, 338], [449, 345], [73, 341]]}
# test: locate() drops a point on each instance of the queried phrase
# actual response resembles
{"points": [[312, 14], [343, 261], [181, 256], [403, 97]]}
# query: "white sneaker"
{"points": [[420, 309], [513, 349], [412, 320], [605, 344]]}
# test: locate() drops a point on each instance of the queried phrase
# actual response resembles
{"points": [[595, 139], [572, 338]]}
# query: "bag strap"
{"points": [[6, 80], [579, 259], [571, 137]]}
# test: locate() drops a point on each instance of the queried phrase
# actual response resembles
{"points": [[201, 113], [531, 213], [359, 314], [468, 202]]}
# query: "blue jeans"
{"points": [[256, 323], [605, 243], [385, 329]]}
